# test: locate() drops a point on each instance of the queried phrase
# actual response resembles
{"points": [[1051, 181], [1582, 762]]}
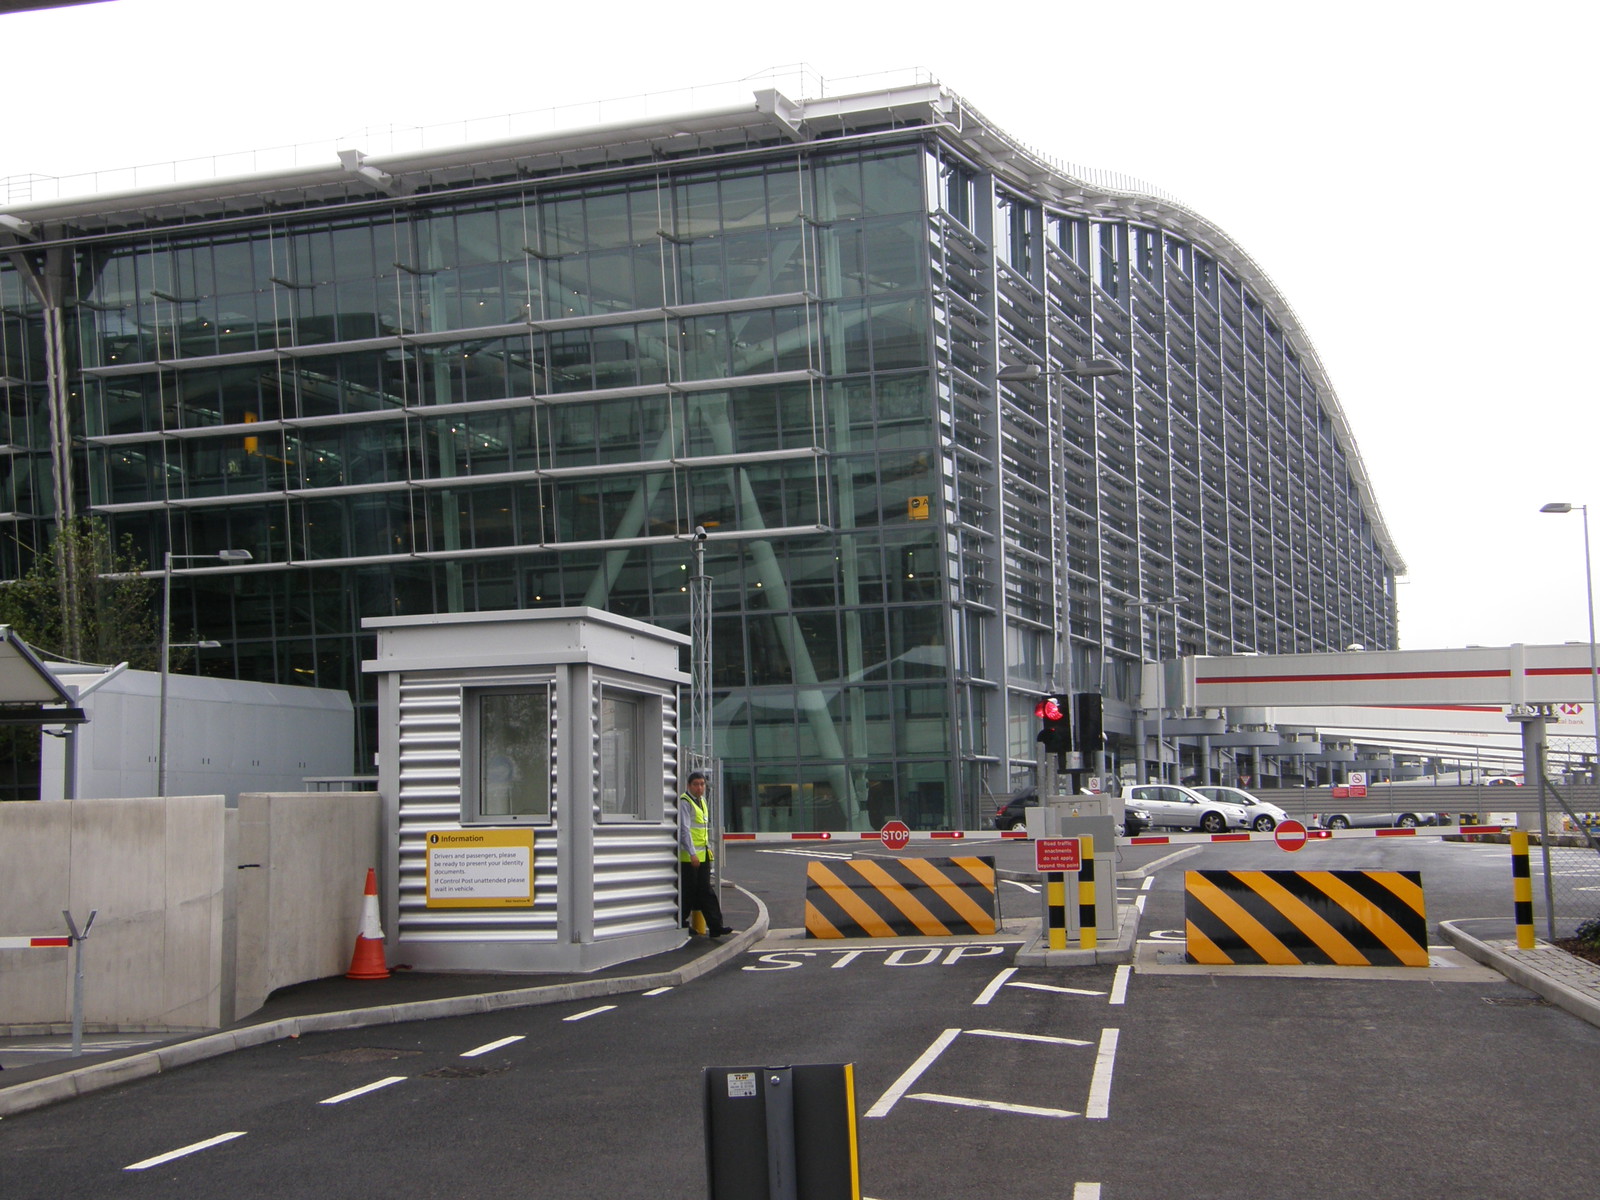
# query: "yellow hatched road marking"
{"points": [[846, 898], [1304, 918], [900, 896], [950, 892], [1201, 948], [1379, 923], [1255, 935]]}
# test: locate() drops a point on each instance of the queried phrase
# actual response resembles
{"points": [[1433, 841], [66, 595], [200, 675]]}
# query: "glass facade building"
{"points": [[522, 374]]}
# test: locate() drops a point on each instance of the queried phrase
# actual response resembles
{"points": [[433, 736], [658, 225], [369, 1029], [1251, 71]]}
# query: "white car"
{"points": [[1173, 807], [1263, 816]]}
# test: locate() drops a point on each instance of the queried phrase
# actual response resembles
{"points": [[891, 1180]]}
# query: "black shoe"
{"points": [[723, 932]]}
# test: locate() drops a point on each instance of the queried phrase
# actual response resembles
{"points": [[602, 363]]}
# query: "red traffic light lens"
{"points": [[1049, 709]]}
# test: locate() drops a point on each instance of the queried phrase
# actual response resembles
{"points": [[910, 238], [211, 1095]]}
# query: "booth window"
{"points": [[508, 735], [623, 787]]}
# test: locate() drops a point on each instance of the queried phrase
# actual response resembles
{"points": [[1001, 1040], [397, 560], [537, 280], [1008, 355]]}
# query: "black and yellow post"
{"points": [[1522, 891], [1055, 906], [1088, 936]]}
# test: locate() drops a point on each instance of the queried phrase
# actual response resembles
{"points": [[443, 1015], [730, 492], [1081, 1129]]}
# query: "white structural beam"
{"points": [[1493, 675]]}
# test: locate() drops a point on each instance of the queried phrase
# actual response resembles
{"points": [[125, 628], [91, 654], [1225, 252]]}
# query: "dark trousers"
{"points": [[695, 894]]}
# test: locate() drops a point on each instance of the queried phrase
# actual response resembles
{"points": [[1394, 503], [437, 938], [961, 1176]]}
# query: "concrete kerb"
{"points": [[1564, 980], [79, 1081]]}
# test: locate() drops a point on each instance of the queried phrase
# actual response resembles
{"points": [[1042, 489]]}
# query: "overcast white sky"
{"points": [[1414, 175]]}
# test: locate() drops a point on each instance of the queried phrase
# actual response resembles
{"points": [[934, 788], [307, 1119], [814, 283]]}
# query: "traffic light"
{"points": [[1091, 709], [1055, 724]]}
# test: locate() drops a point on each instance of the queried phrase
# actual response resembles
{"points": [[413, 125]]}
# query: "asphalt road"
{"points": [[973, 1079]]}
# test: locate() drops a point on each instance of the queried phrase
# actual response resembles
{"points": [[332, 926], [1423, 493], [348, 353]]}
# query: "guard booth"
{"points": [[528, 767]]}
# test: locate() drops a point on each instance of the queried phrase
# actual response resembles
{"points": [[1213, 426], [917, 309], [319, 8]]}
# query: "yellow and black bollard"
{"points": [[1522, 891]]}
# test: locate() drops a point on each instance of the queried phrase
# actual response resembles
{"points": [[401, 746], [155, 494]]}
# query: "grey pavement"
{"points": [[1563, 979]]}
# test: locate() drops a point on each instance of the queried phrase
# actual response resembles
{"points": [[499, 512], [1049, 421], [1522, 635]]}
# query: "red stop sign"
{"points": [[1290, 835], [896, 835]]}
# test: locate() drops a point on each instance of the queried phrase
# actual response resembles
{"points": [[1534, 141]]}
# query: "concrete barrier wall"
{"points": [[303, 860], [157, 872], [203, 911]]}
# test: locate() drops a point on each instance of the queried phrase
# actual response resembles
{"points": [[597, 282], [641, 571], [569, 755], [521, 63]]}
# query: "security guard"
{"points": [[696, 892]]}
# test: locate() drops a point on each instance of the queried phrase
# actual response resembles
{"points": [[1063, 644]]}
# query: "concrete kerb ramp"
{"points": [[80, 1081]]}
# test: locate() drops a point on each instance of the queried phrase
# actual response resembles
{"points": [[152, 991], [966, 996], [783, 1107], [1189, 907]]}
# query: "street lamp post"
{"points": [[166, 648], [1093, 368], [1588, 582], [1157, 607]]}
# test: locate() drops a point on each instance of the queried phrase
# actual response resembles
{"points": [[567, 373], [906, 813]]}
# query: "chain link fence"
{"points": [[1566, 862]]}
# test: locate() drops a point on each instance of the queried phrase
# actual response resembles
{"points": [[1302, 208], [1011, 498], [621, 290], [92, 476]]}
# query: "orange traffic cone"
{"points": [[367, 962]]}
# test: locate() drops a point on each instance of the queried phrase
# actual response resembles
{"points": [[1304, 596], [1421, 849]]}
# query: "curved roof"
{"points": [[768, 118]]}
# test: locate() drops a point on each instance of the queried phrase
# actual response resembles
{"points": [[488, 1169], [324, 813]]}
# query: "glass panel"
{"points": [[514, 754], [621, 793]]}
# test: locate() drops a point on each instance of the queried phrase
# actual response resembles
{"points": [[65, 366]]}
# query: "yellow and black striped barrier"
{"points": [[1522, 891], [1289, 918], [1055, 893], [901, 897]]}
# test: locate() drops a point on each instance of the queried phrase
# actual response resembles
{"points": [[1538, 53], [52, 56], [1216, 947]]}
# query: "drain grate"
{"points": [[462, 1072], [1517, 1001], [357, 1055]]}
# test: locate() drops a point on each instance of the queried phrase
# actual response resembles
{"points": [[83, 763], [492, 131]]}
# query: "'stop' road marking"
{"points": [[172, 1154]]}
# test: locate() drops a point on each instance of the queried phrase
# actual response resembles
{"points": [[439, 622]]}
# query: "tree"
{"points": [[86, 600]]}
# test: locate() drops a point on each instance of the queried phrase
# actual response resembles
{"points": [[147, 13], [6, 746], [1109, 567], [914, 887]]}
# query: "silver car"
{"points": [[1264, 817], [1173, 807], [1366, 820]]}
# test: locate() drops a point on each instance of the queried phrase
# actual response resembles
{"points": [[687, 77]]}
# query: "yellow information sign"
{"points": [[480, 868], [917, 508]]}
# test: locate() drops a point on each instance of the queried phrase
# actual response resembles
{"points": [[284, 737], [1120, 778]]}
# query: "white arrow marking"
{"points": [[965, 1102], [1050, 987], [1028, 1037]]}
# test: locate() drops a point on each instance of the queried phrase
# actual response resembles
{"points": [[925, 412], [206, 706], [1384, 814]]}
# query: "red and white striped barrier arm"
{"points": [[996, 835], [1179, 839], [32, 943]]}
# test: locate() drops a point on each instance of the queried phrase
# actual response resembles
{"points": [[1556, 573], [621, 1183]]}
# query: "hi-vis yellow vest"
{"points": [[699, 828]]}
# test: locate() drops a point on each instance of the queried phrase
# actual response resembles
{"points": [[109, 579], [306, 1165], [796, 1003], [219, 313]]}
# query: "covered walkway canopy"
{"points": [[29, 693]]}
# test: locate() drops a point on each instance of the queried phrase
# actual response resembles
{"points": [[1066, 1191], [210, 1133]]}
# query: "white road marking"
{"points": [[1050, 987], [1100, 1083], [362, 1091], [657, 991], [1143, 887], [593, 1012], [994, 986], [1027, 1037], [966, 1102], [1027, 887], [901, 1086], [1119, 985], [1086, 1191], [172, 1154], [809, 853], [485, 1049]]}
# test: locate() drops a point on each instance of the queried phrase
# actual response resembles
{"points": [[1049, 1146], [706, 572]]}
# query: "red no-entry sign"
{"points": [[1290, 835], [896, 835]]}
